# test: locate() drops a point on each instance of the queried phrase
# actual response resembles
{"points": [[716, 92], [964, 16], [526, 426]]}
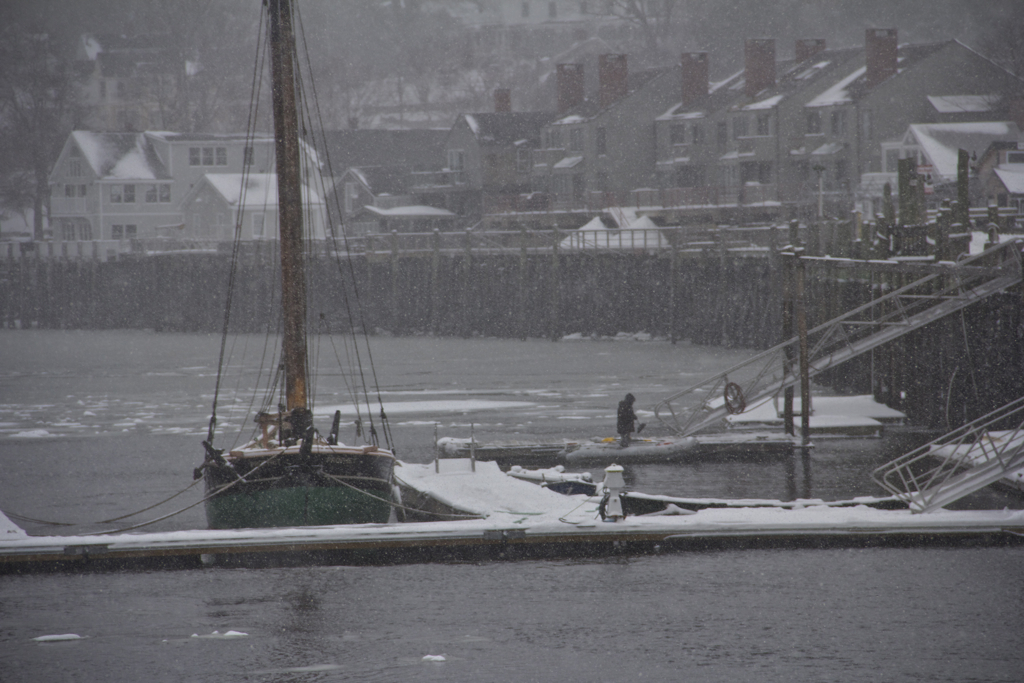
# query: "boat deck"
{"points": [[514, 519]]}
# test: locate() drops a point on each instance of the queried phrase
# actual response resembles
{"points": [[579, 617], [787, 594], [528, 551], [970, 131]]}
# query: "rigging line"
{"points": [[232, 270], [344, 376], [188, 507], [102, 521], [355, 286]]}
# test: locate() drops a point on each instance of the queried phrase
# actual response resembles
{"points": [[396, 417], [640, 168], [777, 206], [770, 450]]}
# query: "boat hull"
{"points": [[326, 490]]}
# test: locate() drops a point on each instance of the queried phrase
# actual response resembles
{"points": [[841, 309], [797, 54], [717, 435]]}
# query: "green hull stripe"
{"points": [[297, 506]]}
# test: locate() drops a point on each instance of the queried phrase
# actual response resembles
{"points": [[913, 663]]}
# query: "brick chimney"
{"points": [[759, 65], [612, 77], [570, 86], [694, 78], [808, 47], [880, 54], [502, 101]]}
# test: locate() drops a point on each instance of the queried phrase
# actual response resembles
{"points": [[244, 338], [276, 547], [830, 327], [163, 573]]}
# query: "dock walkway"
{"points": [[517, 520]]}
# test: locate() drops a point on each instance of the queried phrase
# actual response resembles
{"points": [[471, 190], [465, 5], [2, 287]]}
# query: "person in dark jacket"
{"points": [[627, 420]]}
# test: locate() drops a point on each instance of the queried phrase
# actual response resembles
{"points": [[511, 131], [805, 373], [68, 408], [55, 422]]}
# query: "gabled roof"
{"points": [[508, 128], [382, 179], [127, 156], [418, 149], [591, 108], [854, 85], [941, 141], [260, 189], [721, 94]]}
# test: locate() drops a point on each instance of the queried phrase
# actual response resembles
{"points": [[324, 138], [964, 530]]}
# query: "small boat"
{"points": [[288, 474]]}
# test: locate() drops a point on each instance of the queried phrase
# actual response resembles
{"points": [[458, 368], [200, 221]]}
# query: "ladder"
{"points": [[958, 464], [949, 287]]}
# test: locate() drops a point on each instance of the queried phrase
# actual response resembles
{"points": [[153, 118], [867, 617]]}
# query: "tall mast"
{"points": [[289, 194]]}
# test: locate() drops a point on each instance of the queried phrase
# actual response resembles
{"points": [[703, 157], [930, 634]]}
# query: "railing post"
{"points": [[554, 322], [523, 266], [435, 282]]}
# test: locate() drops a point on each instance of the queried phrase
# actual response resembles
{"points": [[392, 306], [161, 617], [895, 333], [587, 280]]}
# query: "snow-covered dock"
{"points": [[510, 518]]}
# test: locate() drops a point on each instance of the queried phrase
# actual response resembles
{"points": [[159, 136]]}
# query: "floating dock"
{"points": [[504, 518]]}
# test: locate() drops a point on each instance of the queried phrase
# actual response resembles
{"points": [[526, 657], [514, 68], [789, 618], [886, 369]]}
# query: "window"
{"points": [[165, 193], [892, 161], [814, 122], [764, 124], [194, 158], [247, 156], [117, 232], [257, 225], [129, 194], [756, 172], [116, 196], [222, 156], [85, 231], [456, 160], [689, 176], [601, 141], [69, 190], [524, 160], [842, 171], [739, 127], [722, 135], [131, 232], [67, 231], [152, 194], [75, 168], [207, 156], [1015, 157], [838, 122], [697, 134], [350, 194], [83, 190], [576, 140], [677, 133], [555, 138]]}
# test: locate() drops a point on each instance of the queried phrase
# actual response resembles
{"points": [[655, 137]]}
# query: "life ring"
{"points": [[735, 403]]}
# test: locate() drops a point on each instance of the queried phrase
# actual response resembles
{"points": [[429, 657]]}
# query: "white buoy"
{"points": [[613, 485]]}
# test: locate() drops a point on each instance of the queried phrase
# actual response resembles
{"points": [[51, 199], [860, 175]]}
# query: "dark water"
{"points": [[94, 425]]}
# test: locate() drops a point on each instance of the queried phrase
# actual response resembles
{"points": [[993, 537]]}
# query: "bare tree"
{"points": [[37, 111]]}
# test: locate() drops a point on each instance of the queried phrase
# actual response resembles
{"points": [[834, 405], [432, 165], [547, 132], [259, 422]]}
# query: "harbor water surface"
{"points": [[97, 425]]}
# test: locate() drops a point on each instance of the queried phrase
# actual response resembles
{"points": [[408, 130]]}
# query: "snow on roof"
{"points": [[721, 84], [472, 123], [568, 162], [91, 46], [764, 104], [828, 149], [572, 118], [127, 156], [956, 104], [813, 69], [413, 211], [1012, 176], [260, 189], [838, 93], [642, 233], [941, 141]]}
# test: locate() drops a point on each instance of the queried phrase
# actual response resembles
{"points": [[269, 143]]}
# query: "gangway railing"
{"points": [[947, 288], [955, 465]]}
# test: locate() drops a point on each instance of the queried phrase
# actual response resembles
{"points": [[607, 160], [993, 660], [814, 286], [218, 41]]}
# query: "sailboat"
{"points": [[289, 474]]}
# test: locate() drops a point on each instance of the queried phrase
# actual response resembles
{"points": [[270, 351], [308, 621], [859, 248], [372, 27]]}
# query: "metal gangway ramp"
{"points": [[949, 287], [955, 465]]}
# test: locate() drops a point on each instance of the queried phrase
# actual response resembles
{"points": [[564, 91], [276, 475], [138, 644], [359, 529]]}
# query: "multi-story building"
{"points": [[114, 187], [599, 148]]}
